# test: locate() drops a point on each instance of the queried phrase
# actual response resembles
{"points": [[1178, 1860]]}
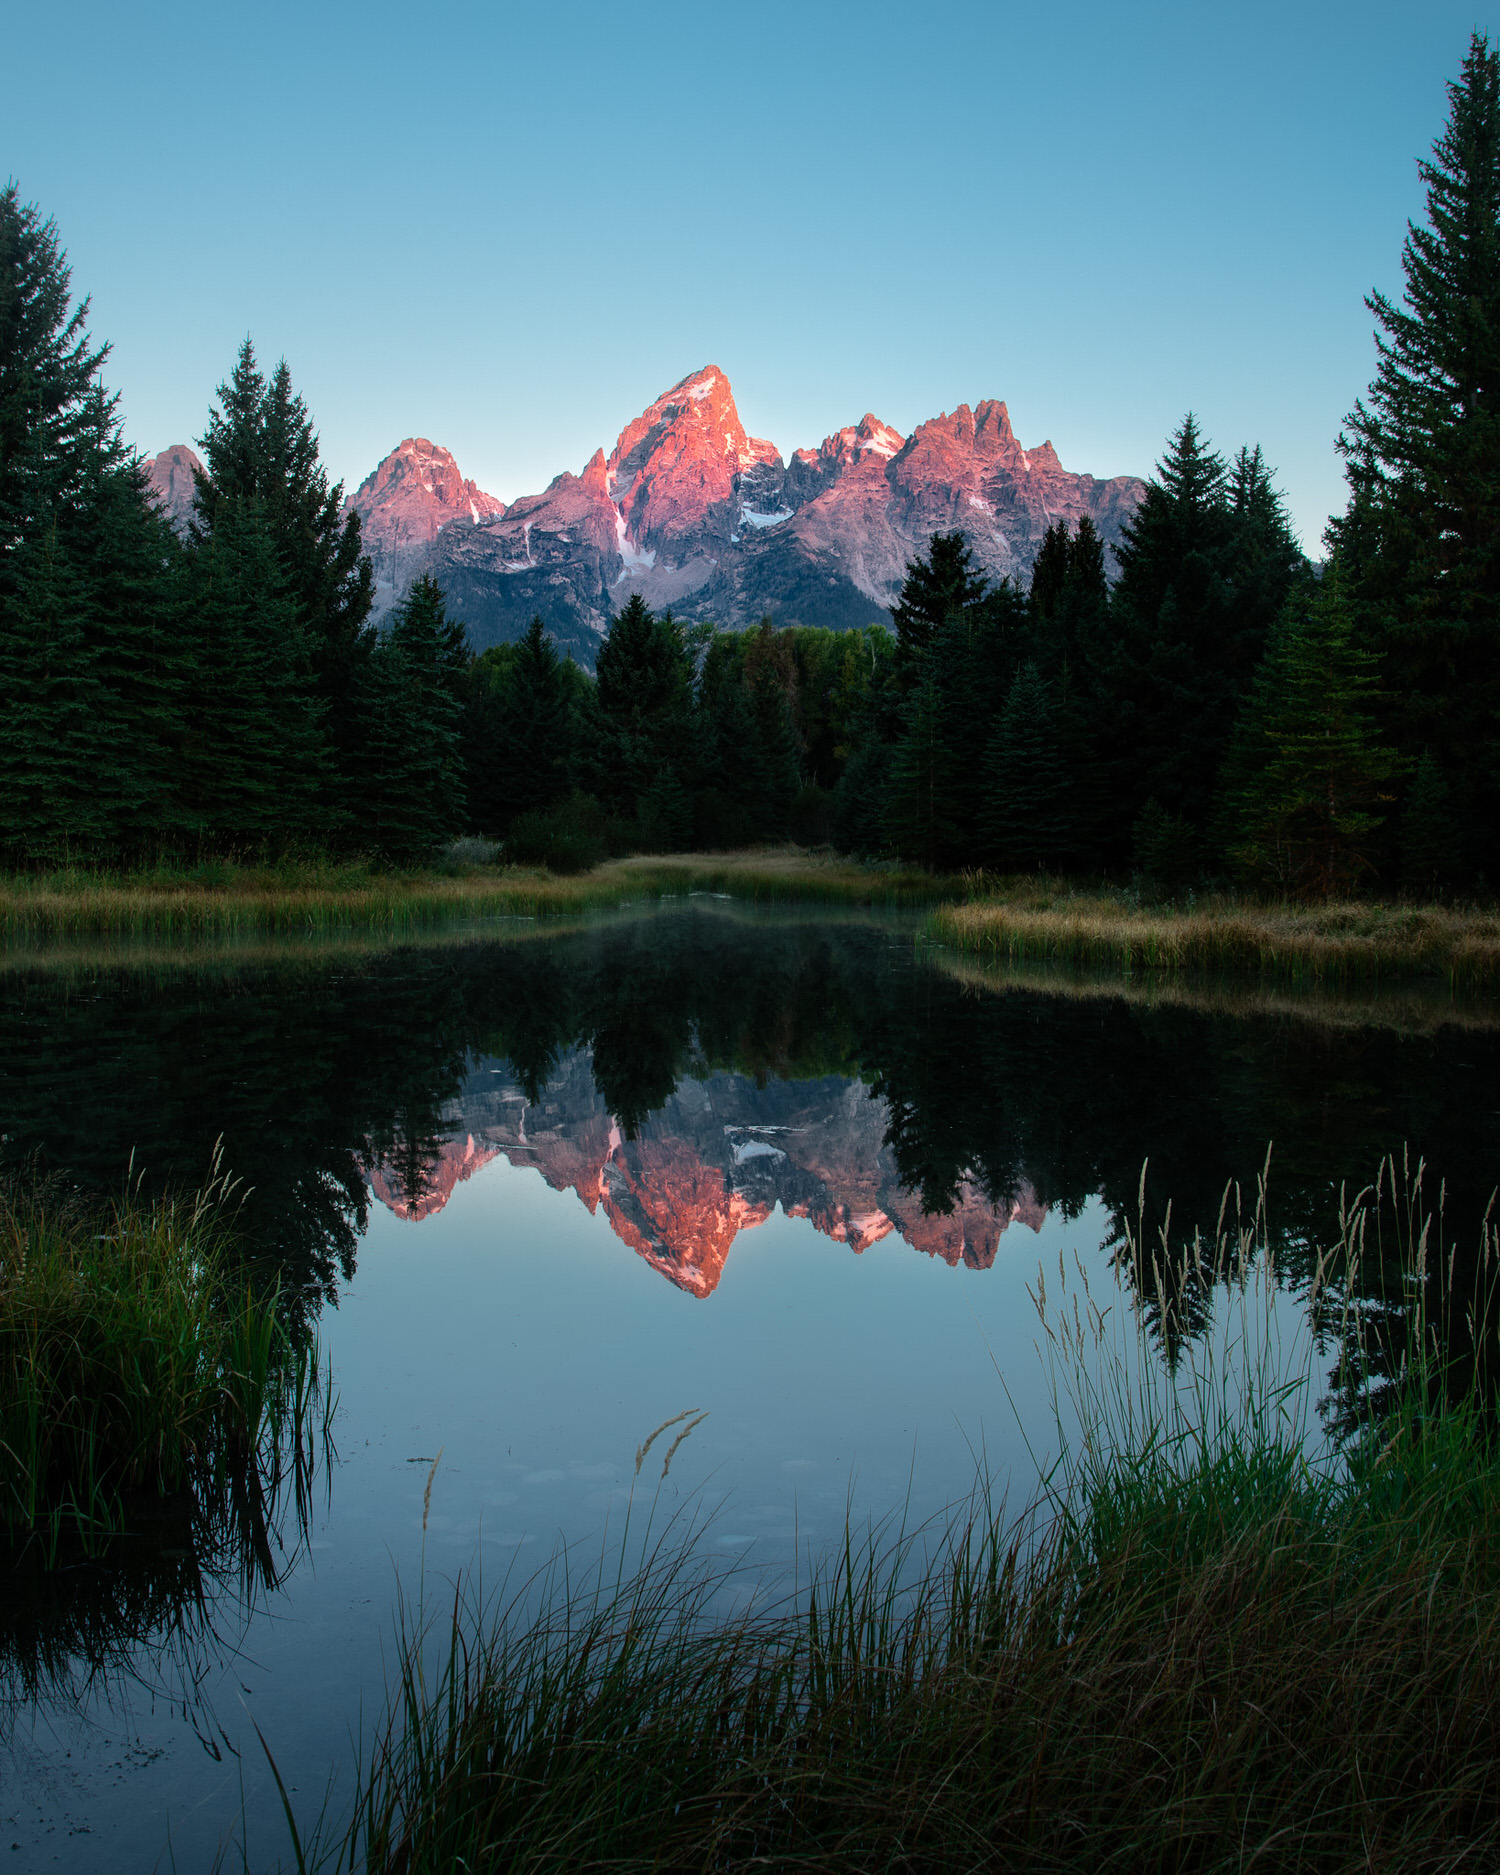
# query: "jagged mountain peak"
{"points": [[679, 459], [418, 489], [405, 503], [691, 512]]}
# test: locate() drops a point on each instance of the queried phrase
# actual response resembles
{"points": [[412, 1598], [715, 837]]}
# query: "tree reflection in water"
{"points": [[317, 1065], [700, 1057]]}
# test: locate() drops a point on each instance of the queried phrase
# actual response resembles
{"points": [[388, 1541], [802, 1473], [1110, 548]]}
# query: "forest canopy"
{"points": [[1198, 702]]}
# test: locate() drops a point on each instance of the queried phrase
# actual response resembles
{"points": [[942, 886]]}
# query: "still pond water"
{"points": [[538, 1189]]}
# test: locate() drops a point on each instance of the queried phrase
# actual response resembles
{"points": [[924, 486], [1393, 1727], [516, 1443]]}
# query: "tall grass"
{"points": [[133, 1366], [313, 897], [1223, 1637], [1326, 944]]}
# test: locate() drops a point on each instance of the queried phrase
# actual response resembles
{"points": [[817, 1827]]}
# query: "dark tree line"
{"points": [[312, 1068], [1208, 705], [225, 693], [1223, 707], [1211, 705], [684, 737]]}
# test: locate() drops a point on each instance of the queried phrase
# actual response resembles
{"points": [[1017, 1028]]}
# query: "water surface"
{"points": [[538, 1189]]}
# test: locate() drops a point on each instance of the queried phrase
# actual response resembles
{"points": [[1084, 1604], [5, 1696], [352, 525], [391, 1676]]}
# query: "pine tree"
{"points": [[530, 763], [1420, 542], [1024, 817], [1206, 563], [1316, 778], [1049, 572], [51, 807], [260, 447], [860, 800], [642, 725], [917, 814], [1430, 855], [92, 651], [410, 754], [1070, 640], [49, 368], [141, 644], [254, 763], [770, 680], [731, 778], [943, 583]]}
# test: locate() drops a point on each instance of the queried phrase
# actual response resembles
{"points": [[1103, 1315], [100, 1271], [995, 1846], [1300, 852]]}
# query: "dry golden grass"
{"points": [[1326, 944], [234, 901]]}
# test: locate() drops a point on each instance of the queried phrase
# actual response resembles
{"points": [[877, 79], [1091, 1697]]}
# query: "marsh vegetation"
{"points": [[1227, 1632]]}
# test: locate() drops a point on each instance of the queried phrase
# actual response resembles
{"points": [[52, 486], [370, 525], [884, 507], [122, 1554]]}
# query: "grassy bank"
{"points": [[1335, 944], [1016, 920], [135, 1368], [228, 901], [1219, 1641]]}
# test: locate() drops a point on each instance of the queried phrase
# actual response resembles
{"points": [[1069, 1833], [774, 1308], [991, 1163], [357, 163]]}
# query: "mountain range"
{"points": [[691, 512], [715, 1159]]}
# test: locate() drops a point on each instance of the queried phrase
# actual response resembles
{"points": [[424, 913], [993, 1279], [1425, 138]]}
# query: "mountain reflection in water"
{"points": [[716, 1158], [683, 1071], [916, 1097]]}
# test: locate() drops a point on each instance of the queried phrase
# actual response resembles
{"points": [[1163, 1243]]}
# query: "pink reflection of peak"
{"points": [[716, 1160], [454, 1164]]}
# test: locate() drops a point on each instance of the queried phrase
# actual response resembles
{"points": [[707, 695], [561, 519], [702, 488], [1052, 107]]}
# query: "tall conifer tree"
{"points": [[49, 367], [411, 755], [935, 587], [254, 766], [260, 447], [1207, 563], [91, 632], [1023, 824], [642, 733], [530, 764], [1313, 777], [1419, 545]]}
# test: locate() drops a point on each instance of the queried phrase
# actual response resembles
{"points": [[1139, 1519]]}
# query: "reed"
{"points": [[1221, 1638], [134, 1367], [1337, 944], [314, 898]]}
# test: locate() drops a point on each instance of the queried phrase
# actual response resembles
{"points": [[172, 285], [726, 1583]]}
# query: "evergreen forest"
{"points": [[1199, 704]]}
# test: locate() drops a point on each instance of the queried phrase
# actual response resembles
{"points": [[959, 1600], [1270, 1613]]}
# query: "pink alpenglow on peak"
{"points": [[414, 493], [679, 459], [169, 477], [689, 511]]}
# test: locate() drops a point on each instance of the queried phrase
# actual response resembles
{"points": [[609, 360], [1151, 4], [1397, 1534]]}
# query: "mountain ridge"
{"points": [[691, 511]]}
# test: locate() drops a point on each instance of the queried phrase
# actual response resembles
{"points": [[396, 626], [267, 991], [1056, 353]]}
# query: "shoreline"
{"points": [[1332, 945], [1024, 921], [229, 902]]}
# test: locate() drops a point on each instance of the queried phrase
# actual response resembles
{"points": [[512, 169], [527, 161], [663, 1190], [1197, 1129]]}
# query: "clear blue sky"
{"points": [[508, 228]]}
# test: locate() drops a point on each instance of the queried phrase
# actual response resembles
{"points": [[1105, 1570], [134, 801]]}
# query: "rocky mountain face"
{"points": [[169, 477], [405, 503], [691, 512], [716, 1159]]}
